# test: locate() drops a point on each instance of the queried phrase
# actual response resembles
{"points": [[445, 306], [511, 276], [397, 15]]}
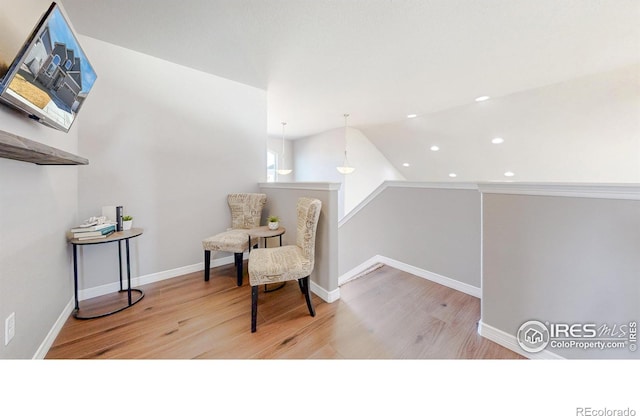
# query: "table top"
{"points": [[117, 236], [265, 232]]}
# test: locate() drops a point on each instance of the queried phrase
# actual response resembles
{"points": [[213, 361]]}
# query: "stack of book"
{"points": [[92, 231]]}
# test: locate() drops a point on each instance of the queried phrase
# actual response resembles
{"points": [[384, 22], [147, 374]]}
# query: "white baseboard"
{"points": [[359, 270], [54, 331], [510, 342], [325, 295], [434, 277], [150, 278], [425, 274]]}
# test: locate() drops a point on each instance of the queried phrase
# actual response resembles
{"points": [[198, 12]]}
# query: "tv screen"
{"points": [[50, 77]]}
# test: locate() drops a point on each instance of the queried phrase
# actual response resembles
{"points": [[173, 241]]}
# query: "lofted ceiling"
{"points": [[378, 60]]}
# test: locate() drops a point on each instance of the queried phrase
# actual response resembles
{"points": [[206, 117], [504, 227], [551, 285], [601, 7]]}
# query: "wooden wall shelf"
{"points": [[19, 148]]}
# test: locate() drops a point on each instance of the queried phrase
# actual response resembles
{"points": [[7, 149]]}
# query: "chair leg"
{"points": [[307, 295], [207, 265], [301, 286], [254, 307], [238, 258]]}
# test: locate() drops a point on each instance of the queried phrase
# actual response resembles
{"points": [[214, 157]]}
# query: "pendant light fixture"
{"points": [[345, 169], [283, 171]]}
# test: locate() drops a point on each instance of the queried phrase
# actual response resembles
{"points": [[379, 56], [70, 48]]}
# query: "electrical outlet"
{"points": [[9, 328]]}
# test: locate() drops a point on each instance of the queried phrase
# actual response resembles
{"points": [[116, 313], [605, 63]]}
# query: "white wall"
{"points": [[317, 156], [432, 227], [562, 255], [37, 205], [168, 143], [372, 169], [316, 159], [274, 144]]}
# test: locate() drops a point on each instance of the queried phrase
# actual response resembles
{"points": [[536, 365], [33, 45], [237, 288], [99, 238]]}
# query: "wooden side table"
{"points": [[265, 232], [119, 237]]}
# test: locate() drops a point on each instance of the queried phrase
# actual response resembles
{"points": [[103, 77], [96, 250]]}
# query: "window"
{"points": [[68, 65], [53, 65], [272, 166]]}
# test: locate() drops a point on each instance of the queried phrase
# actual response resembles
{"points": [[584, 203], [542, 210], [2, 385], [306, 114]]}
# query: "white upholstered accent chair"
{"points": [[290, 262], [246, 213]]}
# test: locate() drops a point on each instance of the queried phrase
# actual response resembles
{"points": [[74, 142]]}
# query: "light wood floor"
{"points": [[387, 314]]}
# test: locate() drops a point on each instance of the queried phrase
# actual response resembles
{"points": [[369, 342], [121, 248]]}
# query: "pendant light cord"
{"points": [[283, 124]]}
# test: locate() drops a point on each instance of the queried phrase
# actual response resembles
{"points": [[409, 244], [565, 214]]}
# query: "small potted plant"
{"points": [[127, 222], [273, 222]]}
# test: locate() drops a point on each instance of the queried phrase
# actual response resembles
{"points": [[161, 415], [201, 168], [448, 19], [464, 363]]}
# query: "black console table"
{"points": [[117, 237]]}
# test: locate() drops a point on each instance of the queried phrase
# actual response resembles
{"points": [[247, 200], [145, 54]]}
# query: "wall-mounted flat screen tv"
{"points": [[50, 77]]}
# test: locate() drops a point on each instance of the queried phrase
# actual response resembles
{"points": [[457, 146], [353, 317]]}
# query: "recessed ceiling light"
{"points": [[412, 115], [497, 140], [434, 148], [406, 165], [452, 175], [482, 98], [509, 173]]}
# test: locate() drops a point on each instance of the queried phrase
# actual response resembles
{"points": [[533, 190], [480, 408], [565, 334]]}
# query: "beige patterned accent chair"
{"points": [[246, 213], [290, 262]]}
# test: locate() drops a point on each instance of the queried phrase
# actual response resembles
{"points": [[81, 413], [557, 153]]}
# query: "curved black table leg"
{"points": [[118, 237]]}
